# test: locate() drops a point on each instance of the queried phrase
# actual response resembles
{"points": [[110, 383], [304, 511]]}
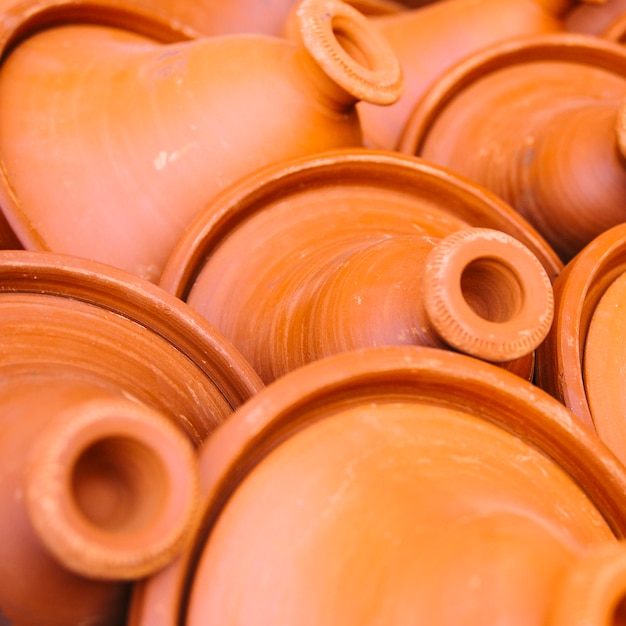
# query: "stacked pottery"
{"points": [[142, 132], [107, 386], [581, 362], [563, 168], [377, 486], [286, 346], [356, 248]]}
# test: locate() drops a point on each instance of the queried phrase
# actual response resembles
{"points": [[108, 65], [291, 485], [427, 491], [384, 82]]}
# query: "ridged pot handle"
{"points": [[593, 592], [111, 487], [350, 51], [487, 295]]}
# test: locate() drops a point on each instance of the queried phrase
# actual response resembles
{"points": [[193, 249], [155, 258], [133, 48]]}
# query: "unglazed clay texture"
{"points": [[363, 472], [562, 358], [156, 131], [312, 313], [341, 265], [432, 39], [106, 390], [563, 168]]}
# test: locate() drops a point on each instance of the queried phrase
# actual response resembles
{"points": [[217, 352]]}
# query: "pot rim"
{"points": [[577, 291], [315, 391], [345, 166], [566, 47], [138, 300], [25, 18]]}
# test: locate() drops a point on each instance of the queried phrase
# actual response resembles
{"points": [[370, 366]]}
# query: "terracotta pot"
{"points": [[304, 288], [477, 290], [563, 167], [107, 384], [123, 330], [146, 22], [580, 361], [159, 128], [430, 40], [96, 489], [381, 483]]}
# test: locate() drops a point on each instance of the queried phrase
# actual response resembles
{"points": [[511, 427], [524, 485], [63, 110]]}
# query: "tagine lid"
{"points": [[420, 375], [414, 379], [578, 291], [173, 325], [22, 19], [336, 177], [604, 366], [569, 49]]}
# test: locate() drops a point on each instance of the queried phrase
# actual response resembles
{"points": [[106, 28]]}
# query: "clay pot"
{"points": [[29, 18], [478, 291], [107, 384], [374, 486], [96, 489], [282, 263], [580, 363], [563, 168], [124, 330], [159, 128], [430, 40]]}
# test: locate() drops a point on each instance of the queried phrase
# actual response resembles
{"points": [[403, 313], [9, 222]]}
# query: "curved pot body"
{"points": [[159, 128], [282, 263], [581, 361], [563, 167], [124, 331], [430, 40], [478, 291], [108, 385], [381, 483]]}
